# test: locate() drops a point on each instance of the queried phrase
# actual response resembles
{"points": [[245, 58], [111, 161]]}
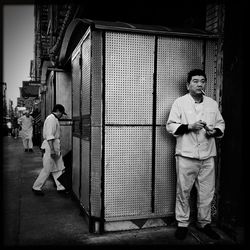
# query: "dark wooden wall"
{"points": [[232, 166]]}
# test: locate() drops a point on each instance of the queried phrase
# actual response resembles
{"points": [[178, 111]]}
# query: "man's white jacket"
{"points": [[51, 131], [185, 111]]}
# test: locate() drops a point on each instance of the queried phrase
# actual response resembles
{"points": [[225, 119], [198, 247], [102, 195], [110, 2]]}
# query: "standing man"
{"points": [[195, 121], [26, 123], [52, 158]]}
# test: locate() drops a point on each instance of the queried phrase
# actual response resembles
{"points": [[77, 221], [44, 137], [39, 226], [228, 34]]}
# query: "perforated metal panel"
{"points": [[175, 58], [128, 159], [129, 66], [85, 164], [76, 76], [165, 175], [96, 70], [96, 171], [65, 137], [210, 68], [76, 145], [76, 166], [85, 107], [96, 122]]}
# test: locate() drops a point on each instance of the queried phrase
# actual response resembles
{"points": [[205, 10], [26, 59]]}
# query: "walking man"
{"points": [[26, 123], [195, 121], [52, 158]]}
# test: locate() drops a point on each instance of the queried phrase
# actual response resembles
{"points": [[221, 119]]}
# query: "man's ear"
{"points": [[187, 86]]}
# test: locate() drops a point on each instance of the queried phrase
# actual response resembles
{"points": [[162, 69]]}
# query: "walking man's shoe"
{"points": [[25, 150], [31, 150], [210, 232], [38, 192], [181, 233]]}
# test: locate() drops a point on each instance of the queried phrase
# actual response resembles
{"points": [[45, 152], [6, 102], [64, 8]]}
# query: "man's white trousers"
{"points": [[45, 172], [202, 174], [43, 176]]}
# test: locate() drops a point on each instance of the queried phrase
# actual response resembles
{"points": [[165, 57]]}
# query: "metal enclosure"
{"points": [[123, 86]]}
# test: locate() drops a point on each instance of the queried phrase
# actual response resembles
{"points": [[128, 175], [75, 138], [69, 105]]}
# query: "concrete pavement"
{"points": [[56, 220]]}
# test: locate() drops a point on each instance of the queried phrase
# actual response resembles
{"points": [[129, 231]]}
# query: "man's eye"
{"points": [[196, 81]]}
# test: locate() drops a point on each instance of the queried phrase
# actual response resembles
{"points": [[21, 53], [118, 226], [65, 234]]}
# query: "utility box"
{"points": [[124, 81]]}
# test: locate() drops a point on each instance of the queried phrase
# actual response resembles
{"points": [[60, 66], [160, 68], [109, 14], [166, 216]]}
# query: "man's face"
{"points": [[59, 114], [196, 84]]}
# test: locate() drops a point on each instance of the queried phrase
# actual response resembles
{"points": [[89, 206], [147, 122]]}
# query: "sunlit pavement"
{"points": [[54, 219]]}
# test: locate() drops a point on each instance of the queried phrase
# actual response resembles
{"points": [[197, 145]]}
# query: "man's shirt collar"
{"points": [[55, 116]]}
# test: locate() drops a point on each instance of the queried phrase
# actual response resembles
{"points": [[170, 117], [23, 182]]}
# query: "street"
{"points": [[56, 219]]}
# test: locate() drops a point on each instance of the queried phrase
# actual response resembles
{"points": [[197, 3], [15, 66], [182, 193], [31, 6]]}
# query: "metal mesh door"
{"points": [[85, 90], [128, 160], [96, 123], [175, 58], [75, 166], [129, 61], [129, 78], [85, 118], [76, 78], [165, 176]]}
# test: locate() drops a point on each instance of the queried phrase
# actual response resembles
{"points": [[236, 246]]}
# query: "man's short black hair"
{"points": [[60, 108], [196, 72]]}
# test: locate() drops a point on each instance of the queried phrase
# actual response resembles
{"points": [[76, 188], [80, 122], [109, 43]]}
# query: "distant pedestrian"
{"points": [[9, 127], [15, 129], [195, 121], [26, 123], [52, 158]]}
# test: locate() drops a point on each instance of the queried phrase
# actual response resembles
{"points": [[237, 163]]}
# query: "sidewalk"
{"points": [[54, 219]]}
